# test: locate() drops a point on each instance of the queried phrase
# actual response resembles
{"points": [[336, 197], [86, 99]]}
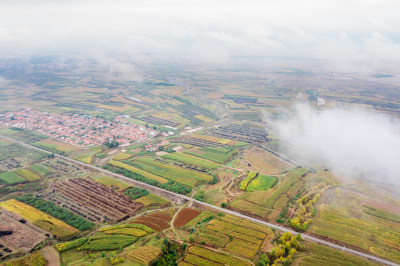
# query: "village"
{"points": [[80, 130]]}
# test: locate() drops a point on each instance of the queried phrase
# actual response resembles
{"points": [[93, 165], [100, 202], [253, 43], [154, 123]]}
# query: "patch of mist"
{"points": [[358, 143]]}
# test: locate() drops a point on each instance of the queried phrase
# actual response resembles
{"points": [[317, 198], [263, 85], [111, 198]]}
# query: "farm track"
{"points": [[164, 192]]}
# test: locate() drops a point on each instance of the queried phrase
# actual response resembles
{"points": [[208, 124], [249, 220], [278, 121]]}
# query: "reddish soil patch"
{"points": [[185, 216], [161, 216], [154, 223]]}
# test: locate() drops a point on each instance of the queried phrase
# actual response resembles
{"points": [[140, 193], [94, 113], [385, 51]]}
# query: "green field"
{"points": [[174, 173], [218, 155], [107, 242], [139, 171], [11, 178], [270, 197], [190, 159], [261, 182], [27, 174], [39, 169], [151, 200]]}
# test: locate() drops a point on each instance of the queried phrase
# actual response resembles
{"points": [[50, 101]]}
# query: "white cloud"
{"points": [[353, 141]]}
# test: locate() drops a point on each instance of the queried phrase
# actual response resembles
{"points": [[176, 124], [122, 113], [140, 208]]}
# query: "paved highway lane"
{"points": [[163, 192]]}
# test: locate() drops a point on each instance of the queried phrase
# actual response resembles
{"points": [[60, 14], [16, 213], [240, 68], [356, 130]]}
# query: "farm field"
{"points": [[174, 173], [189, 159], [139, 171], [35, 258], [40, 219], [276, 198], [262, 161], [157, 221], [184, 216], [342, 219], [27, 174], [225, 232], [14, 156], [144, 255], [321, 255], [152, 200], [202, 256], [56, 146], [112, 183], [122, 156], [215, 139], [107, 203], [261, 182], [11, 178], [218, 155], [23, 236]]}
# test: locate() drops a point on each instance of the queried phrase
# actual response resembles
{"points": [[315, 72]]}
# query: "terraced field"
{"points": [[144, 255], [202, 256]]}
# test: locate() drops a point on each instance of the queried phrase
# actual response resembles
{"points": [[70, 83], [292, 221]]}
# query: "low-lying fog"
{"points": [[357, 142]]}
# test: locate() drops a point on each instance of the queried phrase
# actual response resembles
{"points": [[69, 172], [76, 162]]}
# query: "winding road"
{"points": [[163, 192]]}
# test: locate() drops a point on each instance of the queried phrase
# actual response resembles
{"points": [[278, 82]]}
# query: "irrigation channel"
{"points": [[180, 199]]}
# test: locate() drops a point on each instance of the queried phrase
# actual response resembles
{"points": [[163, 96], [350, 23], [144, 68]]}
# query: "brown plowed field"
{"points": [[185, 216], [114, 205]]}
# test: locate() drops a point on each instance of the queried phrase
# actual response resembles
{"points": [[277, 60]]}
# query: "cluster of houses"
{"points": [[81, 130]]}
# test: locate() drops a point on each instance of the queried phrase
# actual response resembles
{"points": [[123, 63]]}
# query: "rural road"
{"points": [[163, 191]]}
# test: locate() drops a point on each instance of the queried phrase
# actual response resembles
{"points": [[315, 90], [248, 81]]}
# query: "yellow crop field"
{"points": [[204, 118], [39, 218], [122, 156], [144, 255], [112, 183], [28, 175]]}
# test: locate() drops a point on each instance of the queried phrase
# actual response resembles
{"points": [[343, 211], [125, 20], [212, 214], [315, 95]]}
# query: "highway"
{"points": [[175, 195]]}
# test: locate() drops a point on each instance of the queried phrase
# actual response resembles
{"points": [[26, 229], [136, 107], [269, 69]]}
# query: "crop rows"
{"points": [[198, 142], [190, 159], [240, 133], [114, 205], [158, 121], [144, 255], [39, 218], [19, 235], [213, 257]]}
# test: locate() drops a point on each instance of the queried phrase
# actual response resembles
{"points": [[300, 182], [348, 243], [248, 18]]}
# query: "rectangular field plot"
{"points": [[11, 178], [15, 155], [190, 159], [101, 200], [139, 171], [144, 255], [261, 182], [203, 256], [232, 234], [39, 218], [56, 146], [218, 155], [21, 236], [112, 183], [27, 174], [181, 175]]}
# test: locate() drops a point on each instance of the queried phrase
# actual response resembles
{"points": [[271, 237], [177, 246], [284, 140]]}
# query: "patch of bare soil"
{"points": [[51, 255]]}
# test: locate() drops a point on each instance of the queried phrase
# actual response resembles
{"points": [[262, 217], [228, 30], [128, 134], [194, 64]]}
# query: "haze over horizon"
{"points": [[352, 35]]}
